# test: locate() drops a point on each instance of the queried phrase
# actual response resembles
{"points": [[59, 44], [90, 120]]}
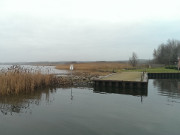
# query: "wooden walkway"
{"points": [[124, 80]]}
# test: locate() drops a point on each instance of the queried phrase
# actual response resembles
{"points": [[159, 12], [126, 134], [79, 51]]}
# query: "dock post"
{"points": [[131, 84], [110, 84], [123, 85], [96, 83], [104, 84], [139, 85], [117, 84]]}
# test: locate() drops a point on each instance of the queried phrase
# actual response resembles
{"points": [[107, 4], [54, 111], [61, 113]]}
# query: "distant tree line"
{"points": [[167, 53]]}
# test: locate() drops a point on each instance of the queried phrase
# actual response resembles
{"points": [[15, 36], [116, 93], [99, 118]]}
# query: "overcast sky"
{"points": [[65, 30]]}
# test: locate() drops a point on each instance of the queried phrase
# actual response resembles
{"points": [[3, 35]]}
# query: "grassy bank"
{"points": [[103, 68], [17, 80]]}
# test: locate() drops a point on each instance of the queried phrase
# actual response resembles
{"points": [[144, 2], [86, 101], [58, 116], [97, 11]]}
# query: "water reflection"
{"points": [[167, 87], [24, 103], [12, 104], [93, 113], [133, 92], [43, 69]]}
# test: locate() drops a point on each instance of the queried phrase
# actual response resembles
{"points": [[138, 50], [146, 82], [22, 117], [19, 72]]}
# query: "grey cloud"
{"points": [[26, 36]]}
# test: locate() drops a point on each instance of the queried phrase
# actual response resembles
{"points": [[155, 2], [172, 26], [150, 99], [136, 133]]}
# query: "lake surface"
{"points": [[90, 111], [43, 69]]}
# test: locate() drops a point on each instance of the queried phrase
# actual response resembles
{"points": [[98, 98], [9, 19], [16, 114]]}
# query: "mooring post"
{"points": [[117, 84], [132, 85], [96, 83], [110, 84], [139, 85], [104, 83], [71, 68], [123, 85]]}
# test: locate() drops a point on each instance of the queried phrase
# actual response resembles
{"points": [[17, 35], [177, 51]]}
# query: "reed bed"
{"points": [[17, 80], [96, 66]]}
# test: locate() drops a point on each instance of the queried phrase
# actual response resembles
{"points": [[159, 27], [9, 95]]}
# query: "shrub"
{"points": [[171, 67]]}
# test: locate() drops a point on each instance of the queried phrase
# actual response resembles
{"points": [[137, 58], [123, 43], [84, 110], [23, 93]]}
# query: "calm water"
{"points": [[89, 111]]}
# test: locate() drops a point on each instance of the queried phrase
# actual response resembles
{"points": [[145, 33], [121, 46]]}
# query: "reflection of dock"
{"points": [[124, 80], [164, 75], [130, 91]]}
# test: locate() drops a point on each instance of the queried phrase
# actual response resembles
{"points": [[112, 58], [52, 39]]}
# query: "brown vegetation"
{"points": [[18, 80], [96, 67]]}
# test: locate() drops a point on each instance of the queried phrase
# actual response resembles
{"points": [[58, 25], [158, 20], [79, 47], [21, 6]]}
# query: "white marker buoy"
{"points": [[71, 67]]}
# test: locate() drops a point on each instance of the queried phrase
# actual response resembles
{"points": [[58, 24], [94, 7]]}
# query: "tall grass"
{"points": [[17, 80], [96, 66]]}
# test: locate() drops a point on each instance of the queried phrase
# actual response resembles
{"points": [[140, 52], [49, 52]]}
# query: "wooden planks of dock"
{"points": [[124, 80]]}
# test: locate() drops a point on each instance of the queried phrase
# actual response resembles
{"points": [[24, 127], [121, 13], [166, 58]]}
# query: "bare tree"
{"points": [[133, 60]]}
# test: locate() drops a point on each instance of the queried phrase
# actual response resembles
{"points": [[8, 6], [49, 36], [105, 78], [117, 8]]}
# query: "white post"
{"points": [[71, 68]]}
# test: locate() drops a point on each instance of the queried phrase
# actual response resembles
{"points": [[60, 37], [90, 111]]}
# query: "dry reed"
{"points": [[17, 80], [96, 66]]}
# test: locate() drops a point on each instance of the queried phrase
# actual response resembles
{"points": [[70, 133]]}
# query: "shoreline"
{"points": [[78, 79]]}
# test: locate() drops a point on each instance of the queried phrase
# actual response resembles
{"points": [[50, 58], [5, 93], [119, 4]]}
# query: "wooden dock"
{"points": [[124, 80]]}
